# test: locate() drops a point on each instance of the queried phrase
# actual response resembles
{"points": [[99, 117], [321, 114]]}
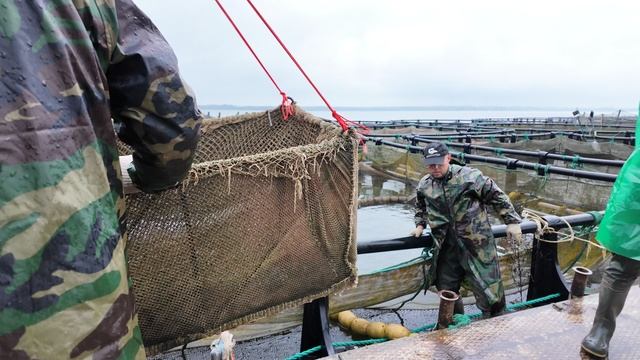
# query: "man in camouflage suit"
{"points": [[67, 68], [452, 199]]}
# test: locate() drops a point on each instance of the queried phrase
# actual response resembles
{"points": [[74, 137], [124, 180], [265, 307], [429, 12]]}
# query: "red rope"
{"points": [[340, 119], [286, 108]]}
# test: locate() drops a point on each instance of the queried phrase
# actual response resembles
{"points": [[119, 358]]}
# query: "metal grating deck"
{"points": [[547, 332]]}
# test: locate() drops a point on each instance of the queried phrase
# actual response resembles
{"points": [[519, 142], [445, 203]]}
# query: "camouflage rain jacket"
{"points": [[67, 68], [455, 209]]}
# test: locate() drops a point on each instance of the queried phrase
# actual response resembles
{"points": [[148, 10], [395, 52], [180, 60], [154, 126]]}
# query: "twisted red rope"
{"points": [[339, 118], [286, 108]]}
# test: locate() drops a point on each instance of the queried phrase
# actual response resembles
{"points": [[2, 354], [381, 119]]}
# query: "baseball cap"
{"points": [[434, 153]]}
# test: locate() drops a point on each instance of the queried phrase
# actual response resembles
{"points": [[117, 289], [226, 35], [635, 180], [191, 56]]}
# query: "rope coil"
{"points": [[543, 228]]}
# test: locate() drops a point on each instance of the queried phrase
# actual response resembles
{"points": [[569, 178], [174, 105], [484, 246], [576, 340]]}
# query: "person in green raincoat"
{"points": [[619, 233]]}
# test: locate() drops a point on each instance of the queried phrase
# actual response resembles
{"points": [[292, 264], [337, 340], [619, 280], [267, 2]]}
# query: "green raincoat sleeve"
{"points": [[620, 228]]}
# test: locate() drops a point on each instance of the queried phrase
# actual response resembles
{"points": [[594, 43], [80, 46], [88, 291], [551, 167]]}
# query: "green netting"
{"points": [[579, 194], [396, 162], [573, 150], [564, 145]]}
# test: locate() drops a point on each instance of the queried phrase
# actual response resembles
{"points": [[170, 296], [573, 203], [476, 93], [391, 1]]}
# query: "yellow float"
{"points": [[375, 330]]}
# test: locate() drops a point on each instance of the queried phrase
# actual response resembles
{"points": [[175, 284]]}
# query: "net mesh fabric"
{"points": [[264, 221]]}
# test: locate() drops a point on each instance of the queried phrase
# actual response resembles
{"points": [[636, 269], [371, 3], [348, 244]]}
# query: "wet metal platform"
{"points": [[547, 332]]}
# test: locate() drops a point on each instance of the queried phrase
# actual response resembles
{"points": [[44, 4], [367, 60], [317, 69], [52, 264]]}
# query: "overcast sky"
{"points": [[411, 53]]}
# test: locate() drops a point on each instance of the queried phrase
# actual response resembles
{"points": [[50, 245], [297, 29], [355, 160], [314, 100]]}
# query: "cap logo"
{"points": [[432, 151]]}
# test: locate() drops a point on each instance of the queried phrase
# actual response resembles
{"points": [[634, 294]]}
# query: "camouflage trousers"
{"points": [[451, 275]]}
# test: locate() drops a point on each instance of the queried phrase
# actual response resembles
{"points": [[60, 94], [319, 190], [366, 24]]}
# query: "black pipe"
{"points": [[457, 129], [559, 121], [457, 134], [511, 122], [528, 227], [584, 160], [582, 174], [627, 139], [482, 136], [403, 243], [580, 131]]}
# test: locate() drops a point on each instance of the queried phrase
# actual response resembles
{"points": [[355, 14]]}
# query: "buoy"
{"points": [[396, 331], [359, 326], [375, 330], [345, 318]]}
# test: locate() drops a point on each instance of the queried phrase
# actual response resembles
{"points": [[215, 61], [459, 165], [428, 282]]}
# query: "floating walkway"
{"points": [[548, 332]]}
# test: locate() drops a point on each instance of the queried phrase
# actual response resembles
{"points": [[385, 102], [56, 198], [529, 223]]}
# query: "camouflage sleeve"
{"points": [[153, 109], [421, 210], [491, 194]]}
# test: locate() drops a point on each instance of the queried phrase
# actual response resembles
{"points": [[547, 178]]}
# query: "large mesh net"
{"points": [[264, 221]]}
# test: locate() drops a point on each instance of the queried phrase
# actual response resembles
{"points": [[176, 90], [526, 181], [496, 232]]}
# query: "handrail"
{"points": [[426, 240]]}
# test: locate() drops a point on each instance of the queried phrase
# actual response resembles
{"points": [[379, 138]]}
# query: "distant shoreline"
{"points": [[421, 108]]}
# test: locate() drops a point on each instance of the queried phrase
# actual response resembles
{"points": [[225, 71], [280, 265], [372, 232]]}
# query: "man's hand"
{"points": [[417, 232], [514, 235]]}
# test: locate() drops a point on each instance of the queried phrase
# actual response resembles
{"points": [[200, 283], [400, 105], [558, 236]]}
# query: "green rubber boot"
{"points": [[610, 304], [617, 280]]}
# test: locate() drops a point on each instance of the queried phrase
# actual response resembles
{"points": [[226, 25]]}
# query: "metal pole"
{"points": [[445, 312], [579, 280]]}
